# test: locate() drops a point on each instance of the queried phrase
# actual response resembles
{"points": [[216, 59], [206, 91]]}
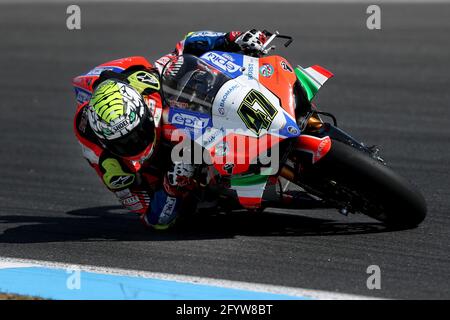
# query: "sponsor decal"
{"points": [[147, 78], [82, 96], [189, 120], [318, 147], [143, 80], [96, 71], [120, 126], [130, 201], [228, 56], [266, 70], [205, 34], [251, 71], [221, 62], [322, 145], [285, 66], [167, 211], [211, 136], [120, 181], [221, 108], [292, 130], [183, 105]]}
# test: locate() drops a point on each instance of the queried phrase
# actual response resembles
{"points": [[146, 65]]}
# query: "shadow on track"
{"points": [[111, 223]]}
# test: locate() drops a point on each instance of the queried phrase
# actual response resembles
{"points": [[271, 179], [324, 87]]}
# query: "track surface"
{"points": [[391, 89]]}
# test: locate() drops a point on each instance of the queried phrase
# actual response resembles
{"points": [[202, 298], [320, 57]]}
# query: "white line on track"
{"points": [[6, 262]]}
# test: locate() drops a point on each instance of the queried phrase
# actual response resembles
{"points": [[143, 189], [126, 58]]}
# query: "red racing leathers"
{"points": [[152, 186]]}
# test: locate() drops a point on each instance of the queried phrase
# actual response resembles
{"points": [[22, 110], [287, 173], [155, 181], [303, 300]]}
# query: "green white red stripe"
{"points": [[312, 78], [319, 74], [249, 189]]}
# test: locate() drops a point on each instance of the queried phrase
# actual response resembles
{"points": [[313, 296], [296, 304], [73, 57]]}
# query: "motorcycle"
{"points": [[235, 107]]}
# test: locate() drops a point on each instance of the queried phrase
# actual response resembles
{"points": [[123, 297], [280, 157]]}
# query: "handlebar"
{"points": [[272, 37]]}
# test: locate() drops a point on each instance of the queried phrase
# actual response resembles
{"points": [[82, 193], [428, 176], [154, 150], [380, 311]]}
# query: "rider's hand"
{"points": [[179, 179], [251, 41]]}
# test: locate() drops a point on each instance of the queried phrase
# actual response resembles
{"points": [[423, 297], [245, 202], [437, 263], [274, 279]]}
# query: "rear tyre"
{"points": [[352, 179]]}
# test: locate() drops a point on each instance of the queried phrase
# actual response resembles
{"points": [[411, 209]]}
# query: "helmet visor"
{"points": [[134, 142]]}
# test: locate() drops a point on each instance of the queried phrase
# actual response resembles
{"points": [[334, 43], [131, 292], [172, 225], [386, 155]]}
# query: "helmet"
{"points": [[121, 120]]}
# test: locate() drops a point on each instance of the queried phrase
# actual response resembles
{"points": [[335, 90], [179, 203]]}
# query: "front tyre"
{"points": [[351, 179]]}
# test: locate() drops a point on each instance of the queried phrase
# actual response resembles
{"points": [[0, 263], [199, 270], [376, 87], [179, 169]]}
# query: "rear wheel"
{"points": [[353, 180]]}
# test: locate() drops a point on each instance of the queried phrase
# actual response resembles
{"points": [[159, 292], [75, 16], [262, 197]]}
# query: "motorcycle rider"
{"points": [[133, 159]]}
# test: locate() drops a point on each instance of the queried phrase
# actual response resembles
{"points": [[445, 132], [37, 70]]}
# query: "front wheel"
{"points": [[353, 180]]}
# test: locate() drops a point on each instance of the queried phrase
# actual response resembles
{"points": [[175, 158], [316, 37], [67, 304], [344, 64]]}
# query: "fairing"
{"points": [[244, 108]]}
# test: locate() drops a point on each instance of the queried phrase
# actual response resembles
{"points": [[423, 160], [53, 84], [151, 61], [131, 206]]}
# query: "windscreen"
{"points": [[190, 83]]}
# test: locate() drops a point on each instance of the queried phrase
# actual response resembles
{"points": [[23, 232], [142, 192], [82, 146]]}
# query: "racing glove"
{"points": [[180, 179], [251, 41]]}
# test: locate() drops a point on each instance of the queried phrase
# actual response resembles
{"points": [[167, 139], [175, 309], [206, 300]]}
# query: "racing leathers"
{"points": [[197, 43], [153, 186]]}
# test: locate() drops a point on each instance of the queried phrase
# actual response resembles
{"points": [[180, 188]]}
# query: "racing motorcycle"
{"points": [[236, 107]]}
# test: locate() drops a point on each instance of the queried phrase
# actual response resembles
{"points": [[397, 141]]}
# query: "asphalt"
{"points": [[390, 89]]}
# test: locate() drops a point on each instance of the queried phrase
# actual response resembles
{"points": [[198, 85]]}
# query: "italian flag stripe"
{"points": [[323, 73], [249, 189], [316, 75], [250, 203], [249, 180], [312, 78], [249, 192], [311, 87]]}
